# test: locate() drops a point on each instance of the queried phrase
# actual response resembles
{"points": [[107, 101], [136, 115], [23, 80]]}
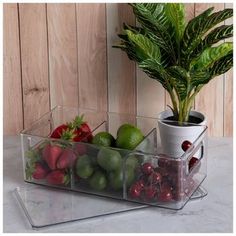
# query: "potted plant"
{"points": [[182, 56]]}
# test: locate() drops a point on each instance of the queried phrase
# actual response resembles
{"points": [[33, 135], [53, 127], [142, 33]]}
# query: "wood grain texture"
{"points": [[12, 93], [189, 14], [228, 92], [121, 71], [210, 99], [34, 57], [62, 55], [92, 61]]}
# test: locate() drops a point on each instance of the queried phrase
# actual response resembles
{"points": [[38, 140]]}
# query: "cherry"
{"points": [[141, 183], [165, 196], [185, 145], [193, 161], [147, 168], [155, 178], [162, 171], [164, 162], [135, 191], [150, 192], [166, 186]]}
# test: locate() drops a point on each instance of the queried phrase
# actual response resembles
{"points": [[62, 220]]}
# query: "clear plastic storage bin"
{"points": [[162, 181]]}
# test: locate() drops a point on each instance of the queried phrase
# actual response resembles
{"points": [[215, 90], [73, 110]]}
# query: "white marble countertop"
{"points": [[214, 213]]}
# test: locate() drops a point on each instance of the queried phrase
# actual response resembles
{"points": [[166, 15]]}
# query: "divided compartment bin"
{"points": [[169, 185]]}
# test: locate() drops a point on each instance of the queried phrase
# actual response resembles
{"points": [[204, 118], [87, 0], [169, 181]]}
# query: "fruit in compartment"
{"points": [[66, 159], [83, 167], [104, 139], [186, 145], [116, 178], [147, 168], [109, 159], [50, 154], [58, 177], [98, 180], [128, 137]]}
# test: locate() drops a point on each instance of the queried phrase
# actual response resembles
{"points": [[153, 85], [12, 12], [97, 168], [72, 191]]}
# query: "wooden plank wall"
{"points": [[61, 54]]}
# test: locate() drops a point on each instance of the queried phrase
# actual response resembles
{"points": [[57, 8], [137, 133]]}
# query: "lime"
{"points": [[109, 159], [98, 181], [122, 127], [84, 167], [132, 162], [128, 137], [103, 139], [116, 178]]}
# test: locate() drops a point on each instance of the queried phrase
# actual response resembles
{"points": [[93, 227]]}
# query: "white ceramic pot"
{"points": [[172, 136]]}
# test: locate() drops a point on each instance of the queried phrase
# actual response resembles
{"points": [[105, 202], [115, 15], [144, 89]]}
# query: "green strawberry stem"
{"points": [[77, 122], [66, 179], [68, 134]]}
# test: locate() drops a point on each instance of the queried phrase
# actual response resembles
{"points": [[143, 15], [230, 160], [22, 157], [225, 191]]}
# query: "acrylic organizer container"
{"points": [[163, 181]]}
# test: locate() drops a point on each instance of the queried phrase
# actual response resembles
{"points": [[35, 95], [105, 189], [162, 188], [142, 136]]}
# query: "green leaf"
{"points": [[144, 45], [154, 70], [222, 65], [197, 28], [159, 29], [211, 55], [179, 73], [219, 33], [176, 15]]}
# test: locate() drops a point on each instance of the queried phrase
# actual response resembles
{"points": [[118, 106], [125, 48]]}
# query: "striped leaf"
{"points": [[216, 35], [210, 56], [196, 29], [145, 46], [176, 15], [222, 65], [153, 19]]}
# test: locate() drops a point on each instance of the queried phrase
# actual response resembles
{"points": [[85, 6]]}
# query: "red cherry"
{"points": [[147, 168], [165, 196], [155, 178], [135, 191], [164, 162], [185, 145], [162, 171], [166, 186], [140, 183], [150, 192], [193, 161]]}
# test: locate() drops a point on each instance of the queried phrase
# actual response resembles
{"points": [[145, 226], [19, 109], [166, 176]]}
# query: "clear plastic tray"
{"points": [[182, 181]]}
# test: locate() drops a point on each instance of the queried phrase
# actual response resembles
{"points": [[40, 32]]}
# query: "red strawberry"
{"points": [[40, 171], [51, 154], [59, 130], [80, 149], [82, 130], [58, 177], [66, 159]]}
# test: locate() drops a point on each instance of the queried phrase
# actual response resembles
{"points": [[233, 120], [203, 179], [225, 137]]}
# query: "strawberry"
{"points": [[40, 171], [80, 149], [76, 131], [82, 131], [66, 159], [51, 154], [37, 170], [58, 177], [59, 130]]}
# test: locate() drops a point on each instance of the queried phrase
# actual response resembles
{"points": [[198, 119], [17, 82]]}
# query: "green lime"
{"points": [[109, 159], [128, 137], [122, 127], [132, 162], [98, 181], [103, 139], [84, 167], [116, 178]]}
